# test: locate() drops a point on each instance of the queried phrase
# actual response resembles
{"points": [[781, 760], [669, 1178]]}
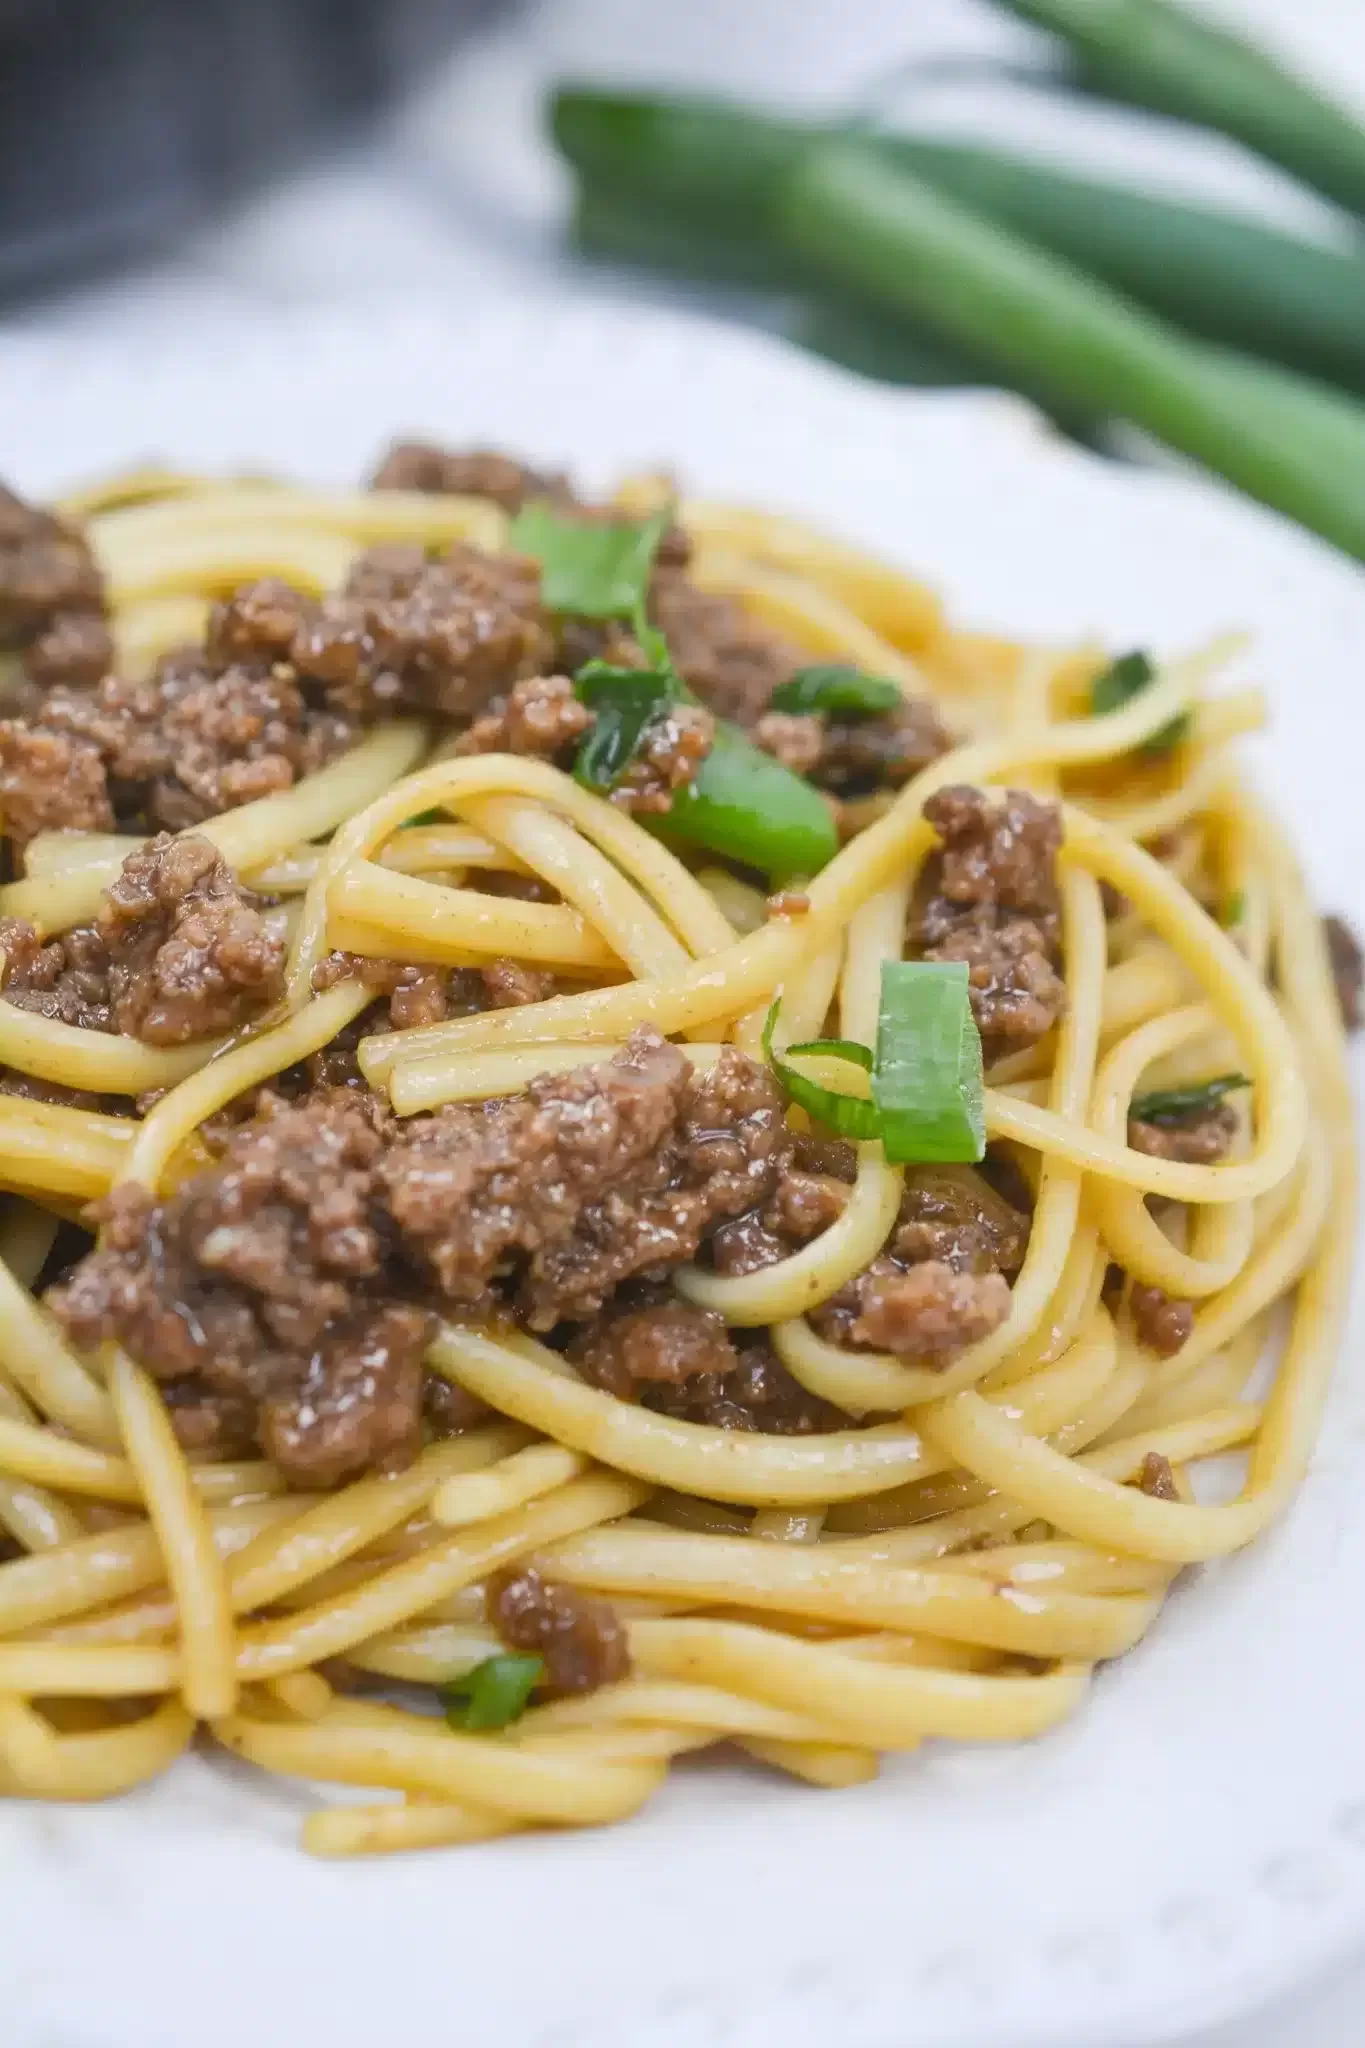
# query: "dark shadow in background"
{"points": [[123, 122]]}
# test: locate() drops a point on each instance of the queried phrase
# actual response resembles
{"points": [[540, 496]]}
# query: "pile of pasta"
{"points": [[956, 1571]]}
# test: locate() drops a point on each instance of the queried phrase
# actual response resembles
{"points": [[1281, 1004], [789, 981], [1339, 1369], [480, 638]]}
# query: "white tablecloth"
{"points": [[458, 196]]}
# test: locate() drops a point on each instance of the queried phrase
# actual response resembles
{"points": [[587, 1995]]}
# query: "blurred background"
{"points": [[167, 166]]}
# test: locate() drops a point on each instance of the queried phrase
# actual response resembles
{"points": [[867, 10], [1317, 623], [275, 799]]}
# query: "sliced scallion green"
{"points": [[627, 701], [1125, 679], [927, 1073], [1185, 1105], [592, 569], [494, 1693], [837, 690]]}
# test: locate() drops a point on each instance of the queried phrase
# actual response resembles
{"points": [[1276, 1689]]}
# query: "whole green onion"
{"points": [[1153, 54]]}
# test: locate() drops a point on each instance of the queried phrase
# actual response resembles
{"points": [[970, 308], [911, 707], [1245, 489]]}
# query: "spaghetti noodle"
{"points": [[466, 1299]]}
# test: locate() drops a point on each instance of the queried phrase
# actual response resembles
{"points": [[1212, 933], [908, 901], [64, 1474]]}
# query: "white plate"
{"points": [[1196, 1838]]}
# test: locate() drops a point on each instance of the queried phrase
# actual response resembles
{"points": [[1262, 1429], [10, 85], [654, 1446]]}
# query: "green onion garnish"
{"points": [[593, 570], [1185, 1105], [837, 690], [494, 1693], [1125, 679], [926, 1077], [627, 701], [1235, 910], [850, 1115], [928, 1097]]}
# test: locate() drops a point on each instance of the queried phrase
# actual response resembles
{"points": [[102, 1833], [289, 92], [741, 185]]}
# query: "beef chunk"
{"points": [[1162, 1324], [865, 754], [199, 736], [1348, 969], [465, 473], [259, 1282], [989, 898], [541, 716], [760, 1395], [408, 632], [661, 1341], [77, 647], [450, 1410], [421, 995], [360, 1401], [51, 595], [583, 1640], [50, 781], [927, 1312], [178, 950], [795, 738], [732, 661], [588, 1179], [67, 979], [939, 1284], [1198, 1141], [190, 954], [1157, 1479]]}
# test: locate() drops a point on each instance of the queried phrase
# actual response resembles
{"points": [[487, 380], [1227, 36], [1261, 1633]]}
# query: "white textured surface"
{"points": [[1195, 1841]]}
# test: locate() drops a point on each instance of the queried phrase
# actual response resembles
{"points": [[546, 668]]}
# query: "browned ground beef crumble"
{"points": [[1163, 1324], [51, 596], [1348, 969], [178, 950], [582, 1639], [1196, 1141], [420, 995], [989, 898], [472, 473], [1156, 1477], [272, 1283]]}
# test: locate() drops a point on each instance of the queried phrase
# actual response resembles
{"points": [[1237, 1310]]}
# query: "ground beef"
{"points": [[541, 717], [33, 1088], [928, 1312], [202, 734], [259, 1281], [190, 954], [936, 1288], [1197, 1141], [51, 595], [450, 1410], [77, 647], [732, 661], [671, 750], [406, 631], [582, 1640], [1348, 969], [1156, 1477], [420, 995], [659, 1341], [795, 738], [66, 979], [466, 473], [50, 782], [586, 1180], [1162, 1324], [865, 754], [989, 898], [760, 1395]]}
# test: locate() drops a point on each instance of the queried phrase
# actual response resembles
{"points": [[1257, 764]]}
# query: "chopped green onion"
{"points": [[1185, 1105], [747, 807], [926, 1076], [838, 1049], [627, 702], [837, 690], [928, 1097], [427, 818], [594, 570], [494, 1693], [1125, 679], [850, 1115], [1235, 910]]}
